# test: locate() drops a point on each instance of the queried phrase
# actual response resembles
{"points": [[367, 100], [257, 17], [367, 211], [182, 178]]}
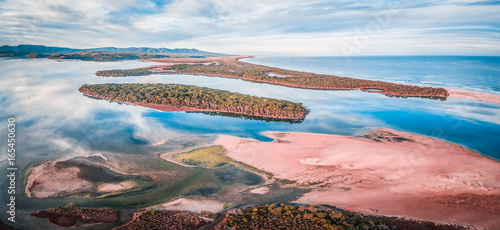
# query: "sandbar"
{"points": [[468, 94], [192, 205], [383, 172], [112, 187]]}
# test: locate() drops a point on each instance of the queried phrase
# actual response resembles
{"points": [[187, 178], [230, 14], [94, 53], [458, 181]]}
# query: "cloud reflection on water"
{"points": [[55, 119]]}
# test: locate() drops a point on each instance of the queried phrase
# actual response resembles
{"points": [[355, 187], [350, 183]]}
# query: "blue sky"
{"points": [[266, 27]]}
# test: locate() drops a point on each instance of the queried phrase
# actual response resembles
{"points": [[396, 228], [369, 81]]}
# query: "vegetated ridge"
{"points": [[70, 214], [282, 216], [168, 219], [231, 67]]}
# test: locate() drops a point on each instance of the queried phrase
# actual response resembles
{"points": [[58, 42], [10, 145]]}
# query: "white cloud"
{"points": [[262, 26]]}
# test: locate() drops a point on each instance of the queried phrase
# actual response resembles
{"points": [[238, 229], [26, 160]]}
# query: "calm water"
{"points": [[473, 73], [55, 120]]}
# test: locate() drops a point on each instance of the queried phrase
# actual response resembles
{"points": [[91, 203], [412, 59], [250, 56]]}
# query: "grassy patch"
{"points": [[205, 157], [211, 157], [286, 181]]}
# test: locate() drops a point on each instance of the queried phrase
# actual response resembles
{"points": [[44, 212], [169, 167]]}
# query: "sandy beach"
{"points": [[192, 205], [468, 94], [113, 187], [382, 172]]}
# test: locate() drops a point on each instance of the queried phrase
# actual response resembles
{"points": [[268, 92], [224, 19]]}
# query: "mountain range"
{"points": [[40, 49]]}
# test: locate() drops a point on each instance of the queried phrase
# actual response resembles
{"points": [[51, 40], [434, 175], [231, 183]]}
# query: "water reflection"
{"points": [[246, 117], [54, 119]]}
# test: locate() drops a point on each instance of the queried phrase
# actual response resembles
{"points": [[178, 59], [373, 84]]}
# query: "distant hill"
{"points": [[22, 50]]}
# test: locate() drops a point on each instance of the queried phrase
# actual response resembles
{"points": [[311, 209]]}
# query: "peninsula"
{"points": [[176, 97], [71, 214], [231, 67]]}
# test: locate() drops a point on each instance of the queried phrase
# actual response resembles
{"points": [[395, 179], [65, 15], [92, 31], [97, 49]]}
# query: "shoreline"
{"points": [[456, 93], [383, 172], [233, 68], [474, 95]]}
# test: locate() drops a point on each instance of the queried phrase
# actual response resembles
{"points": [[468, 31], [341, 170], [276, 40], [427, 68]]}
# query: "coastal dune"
{"points": [[382, 172]]}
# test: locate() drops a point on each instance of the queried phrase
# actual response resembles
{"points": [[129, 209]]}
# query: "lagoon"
{"points": [[56, 121]]}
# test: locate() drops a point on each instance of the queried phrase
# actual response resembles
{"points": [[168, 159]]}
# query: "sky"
{"points": [[260, 27]]}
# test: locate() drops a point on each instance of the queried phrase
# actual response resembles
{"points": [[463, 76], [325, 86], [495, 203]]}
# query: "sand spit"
{"points": [[192, 205], [468, 94], [113, 187], [260, 190], [382, 172]]}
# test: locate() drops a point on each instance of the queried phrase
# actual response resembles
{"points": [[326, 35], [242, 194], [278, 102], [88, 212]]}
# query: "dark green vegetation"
{"points": [[125, 72], [104, 56], [230, 67], [281, 216], [193, 98], [182, 220], [70, 214]]}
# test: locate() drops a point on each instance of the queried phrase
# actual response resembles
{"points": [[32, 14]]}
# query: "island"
{"points": [[70, 214], [231, 67], [176, 97]]}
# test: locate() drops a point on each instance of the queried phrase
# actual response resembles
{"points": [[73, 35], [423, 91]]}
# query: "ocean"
{"points": [[460, 72]]}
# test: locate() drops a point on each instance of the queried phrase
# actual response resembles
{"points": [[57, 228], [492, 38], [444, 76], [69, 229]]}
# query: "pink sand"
{"points": [[422, 178]]}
